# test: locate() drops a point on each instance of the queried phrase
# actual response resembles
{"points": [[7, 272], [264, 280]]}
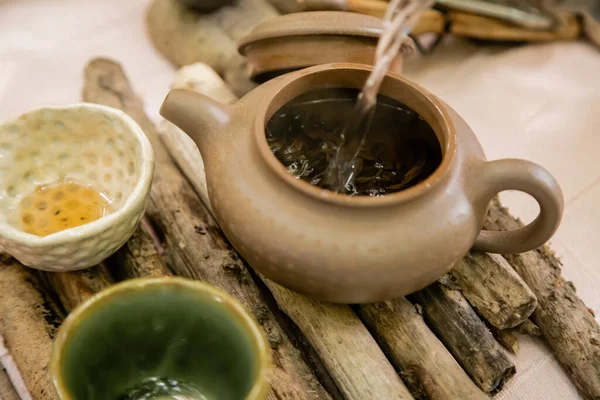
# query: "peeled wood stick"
{"points": [[28, 321], [422, 361], [348, 351], [195, 249], [565, 321], [486, 28], [73, 288], [185, 36], [346, 347], [494, 289], [457, 325]]}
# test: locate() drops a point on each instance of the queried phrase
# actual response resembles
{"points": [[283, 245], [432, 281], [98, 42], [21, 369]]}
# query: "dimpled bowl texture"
{"points": [[89, 144]]}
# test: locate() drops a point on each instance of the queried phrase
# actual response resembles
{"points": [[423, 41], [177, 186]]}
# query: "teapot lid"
{"points": [[299, 40]]}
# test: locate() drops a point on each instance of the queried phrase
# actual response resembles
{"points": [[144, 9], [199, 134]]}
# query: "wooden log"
{"points": [[565, 321], [194, 248], [139, 257], [457, 325], [73, 288], [494, 289], [28, 321], [347, 349], [423, 362], [487, 28], [185, 36]]}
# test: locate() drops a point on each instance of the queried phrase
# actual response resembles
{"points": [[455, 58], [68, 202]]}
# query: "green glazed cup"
{"points": [[160, 338]]}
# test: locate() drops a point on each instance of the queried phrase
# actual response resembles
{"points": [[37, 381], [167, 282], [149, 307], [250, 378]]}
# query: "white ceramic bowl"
{"points": [[86, 143]]}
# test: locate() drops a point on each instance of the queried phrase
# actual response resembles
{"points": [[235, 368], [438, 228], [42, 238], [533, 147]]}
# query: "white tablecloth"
{"points": [[540, 102]]}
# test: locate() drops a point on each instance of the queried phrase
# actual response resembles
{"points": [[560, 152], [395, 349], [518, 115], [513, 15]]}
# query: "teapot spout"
{"points": [[199, 116]]}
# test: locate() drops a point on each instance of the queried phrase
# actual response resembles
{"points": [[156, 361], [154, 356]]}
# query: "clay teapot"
{"points": [[354, 249]]}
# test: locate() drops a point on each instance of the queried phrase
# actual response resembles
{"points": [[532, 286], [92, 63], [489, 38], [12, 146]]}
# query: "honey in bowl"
{"points": [[56, 207]]}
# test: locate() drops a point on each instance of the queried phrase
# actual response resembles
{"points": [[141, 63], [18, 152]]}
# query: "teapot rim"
{"points": [[290, 86]]}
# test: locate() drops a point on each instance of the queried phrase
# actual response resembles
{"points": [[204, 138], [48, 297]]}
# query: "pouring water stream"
{"points": [[399, 17]]}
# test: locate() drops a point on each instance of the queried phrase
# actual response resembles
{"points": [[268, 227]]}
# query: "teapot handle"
{"points": [[525, 176]]}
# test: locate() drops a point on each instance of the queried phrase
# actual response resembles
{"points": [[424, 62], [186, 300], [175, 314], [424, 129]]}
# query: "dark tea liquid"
{"points": [[400, 150]]}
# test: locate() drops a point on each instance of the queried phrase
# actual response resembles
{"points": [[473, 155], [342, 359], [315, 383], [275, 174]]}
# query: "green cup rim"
{"points": [[259, 388]]}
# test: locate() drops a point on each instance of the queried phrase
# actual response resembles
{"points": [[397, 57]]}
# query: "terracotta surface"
{"points": [[537, 102], [354, 249], [294, 41]]}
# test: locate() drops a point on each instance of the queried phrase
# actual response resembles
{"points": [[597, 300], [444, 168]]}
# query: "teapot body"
{"points": [[334, 247]]}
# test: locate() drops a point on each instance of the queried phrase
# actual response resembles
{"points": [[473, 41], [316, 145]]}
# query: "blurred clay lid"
{"points": [[299, 40]]}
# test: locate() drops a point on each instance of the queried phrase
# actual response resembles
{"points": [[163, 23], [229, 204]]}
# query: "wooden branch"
{"points": [[185, 36], [424, 363], [348, 351], [28, 321], [457, 325], [195, 249], [486, 28], [494, 289], [73, 288], [139, 257], [565, 321]]}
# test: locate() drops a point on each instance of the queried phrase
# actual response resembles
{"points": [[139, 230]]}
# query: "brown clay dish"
{"points": [[301, 40]]}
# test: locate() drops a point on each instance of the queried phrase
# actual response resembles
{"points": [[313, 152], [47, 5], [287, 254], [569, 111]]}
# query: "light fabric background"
{"points": [[540, 102]]}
